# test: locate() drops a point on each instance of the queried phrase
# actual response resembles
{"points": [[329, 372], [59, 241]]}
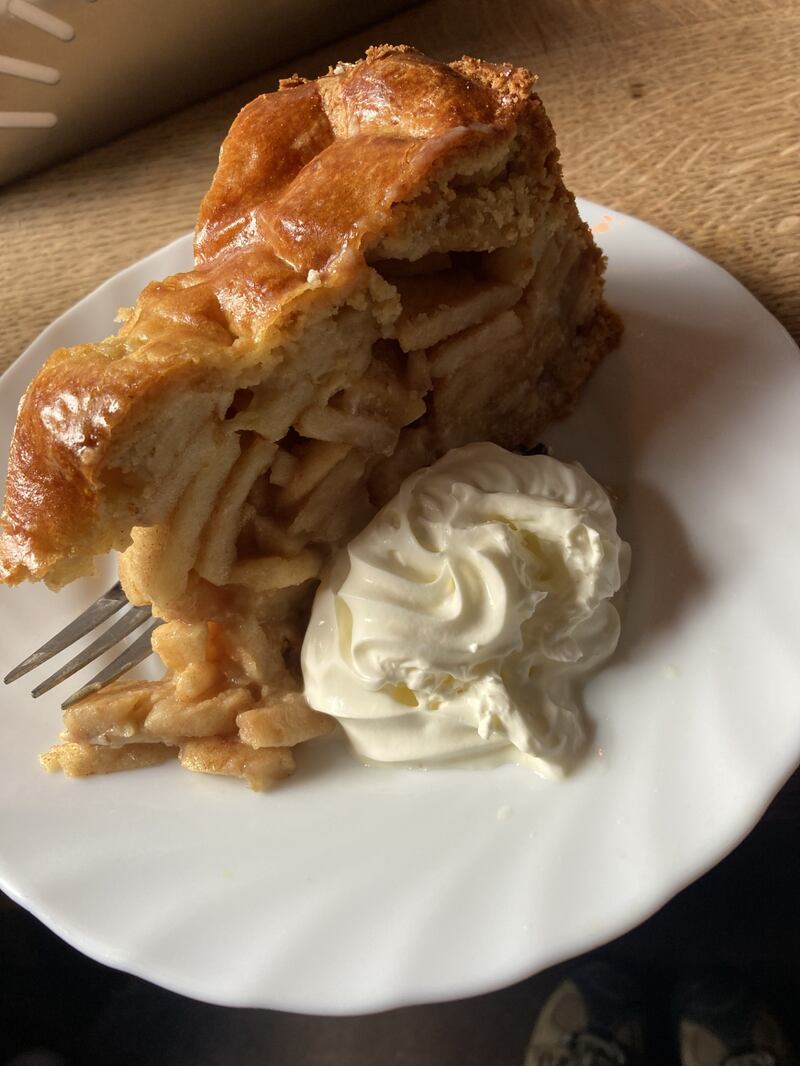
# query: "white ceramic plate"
{"points": [[350, 890]]}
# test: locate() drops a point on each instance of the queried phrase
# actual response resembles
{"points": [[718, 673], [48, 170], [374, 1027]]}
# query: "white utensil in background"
{"points": [[75, 73]]}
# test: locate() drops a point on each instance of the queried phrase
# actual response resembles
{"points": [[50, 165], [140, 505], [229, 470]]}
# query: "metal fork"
{"points": [[104, 607]]}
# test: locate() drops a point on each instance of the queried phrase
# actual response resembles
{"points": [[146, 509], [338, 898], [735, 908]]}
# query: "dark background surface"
{"points": [[743, 913]]}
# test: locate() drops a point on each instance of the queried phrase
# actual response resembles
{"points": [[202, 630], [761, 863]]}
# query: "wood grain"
{"points": [[684, 113]]}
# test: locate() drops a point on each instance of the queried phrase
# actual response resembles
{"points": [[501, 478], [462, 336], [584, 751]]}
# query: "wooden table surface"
{"points": [[685, 113]]}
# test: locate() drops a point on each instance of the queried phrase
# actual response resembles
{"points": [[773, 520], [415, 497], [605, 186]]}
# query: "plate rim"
{"points": [[105, 954]]}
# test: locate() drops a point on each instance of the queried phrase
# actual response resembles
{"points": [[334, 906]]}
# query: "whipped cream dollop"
{"points": [[458, 625]]}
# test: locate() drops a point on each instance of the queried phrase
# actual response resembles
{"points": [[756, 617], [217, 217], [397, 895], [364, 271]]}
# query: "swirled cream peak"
{"points": [[458, 625]]}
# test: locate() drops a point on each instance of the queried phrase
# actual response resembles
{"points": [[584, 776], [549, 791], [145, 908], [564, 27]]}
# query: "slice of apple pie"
{"points": [[387, 265]]}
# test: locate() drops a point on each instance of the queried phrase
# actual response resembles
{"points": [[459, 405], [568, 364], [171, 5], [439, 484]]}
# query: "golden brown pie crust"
{"points": [[387, 265], [307, 181]]}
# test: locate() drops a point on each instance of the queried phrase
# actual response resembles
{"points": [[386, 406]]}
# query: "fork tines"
{"points": [[103, 608], [135, 653]]}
